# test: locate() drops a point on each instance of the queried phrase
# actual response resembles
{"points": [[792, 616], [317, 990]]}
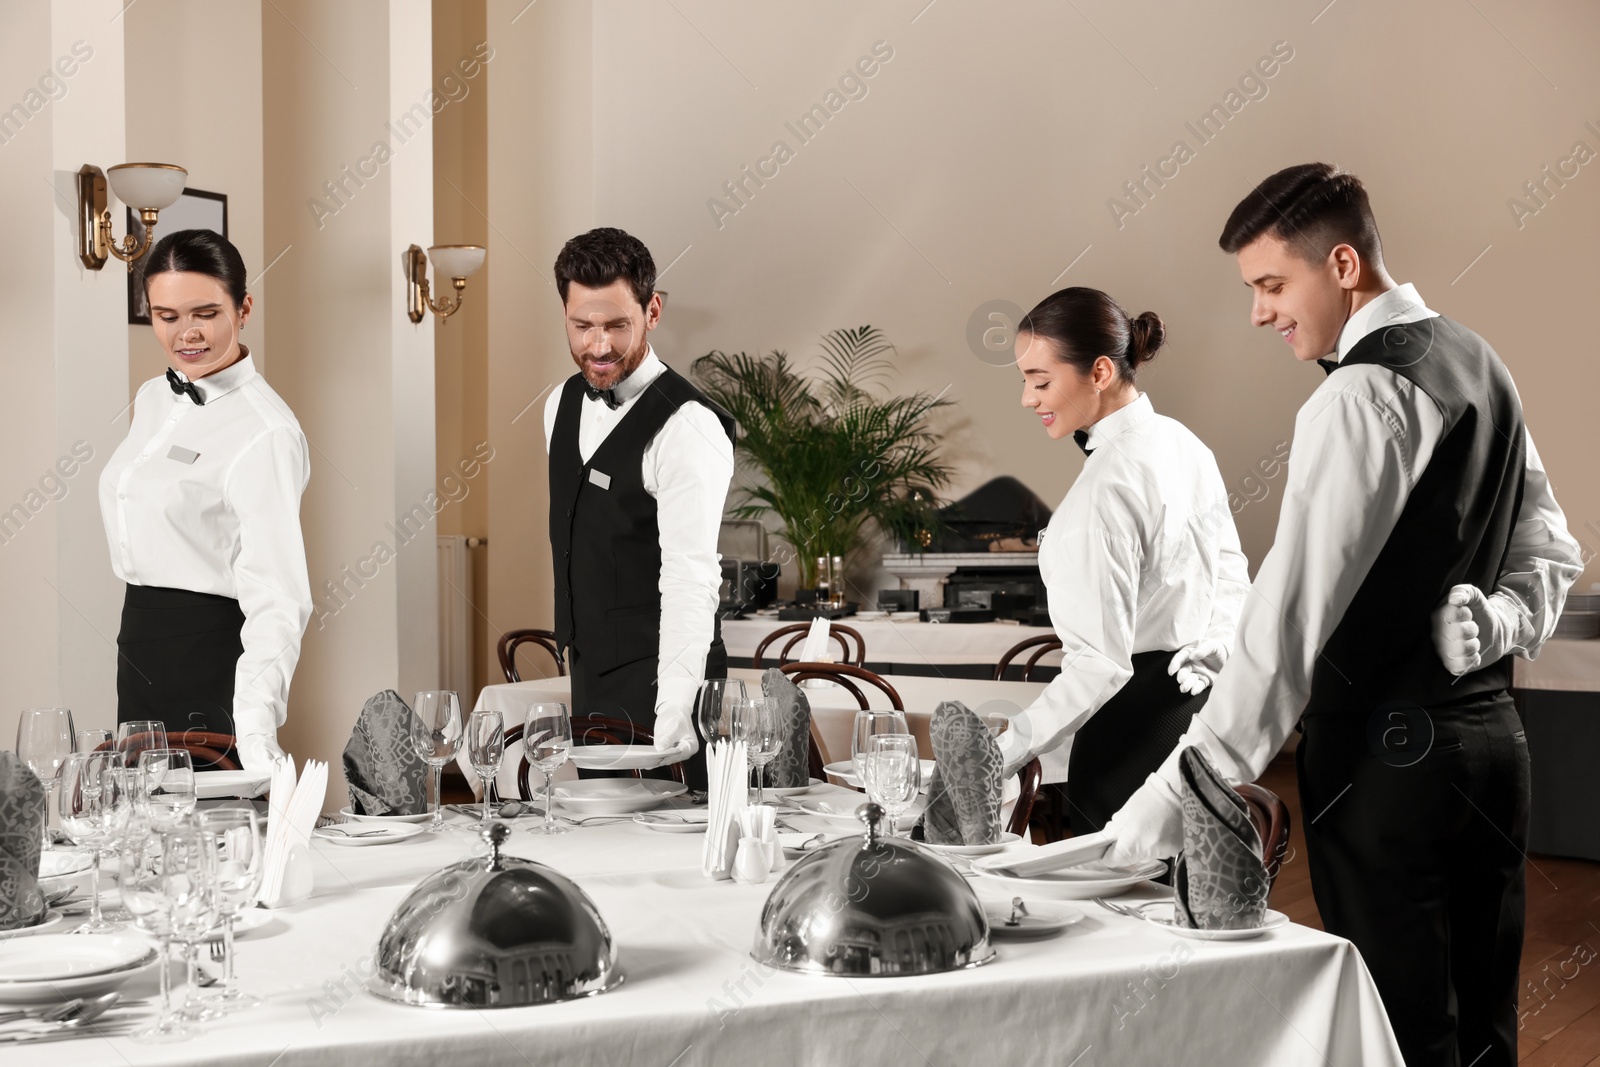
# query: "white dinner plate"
{"points": [[1044, 918], [251, 919], [845, 771], [57, 957], [794, 790], [361, 834], [674, 822], [51, 920], [619, 757], [615, 796], [1162, 911], [1079, 883], [214, 785], [385, 820], [1007, 838], [56, 990], [59, 863], [831, 807]]}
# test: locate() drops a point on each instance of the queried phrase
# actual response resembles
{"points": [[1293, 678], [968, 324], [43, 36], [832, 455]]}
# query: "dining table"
{"points": [[900, 643], [1109, 989]]}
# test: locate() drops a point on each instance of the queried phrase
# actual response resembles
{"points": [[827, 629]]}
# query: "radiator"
{"points": [[456, 616]]}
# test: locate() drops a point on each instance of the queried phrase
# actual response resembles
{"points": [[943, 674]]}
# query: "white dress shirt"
{"points": [[687, 467], [1361, 442], [207, 498], [1141, 556]]}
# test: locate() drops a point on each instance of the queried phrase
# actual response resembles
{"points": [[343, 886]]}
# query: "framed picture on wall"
{"points": [[196, 209]]}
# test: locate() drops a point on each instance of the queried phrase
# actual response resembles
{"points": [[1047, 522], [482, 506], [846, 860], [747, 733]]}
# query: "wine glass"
{"points": [[94, 810], [870, 724], [167, 795], [755, 722], [138, 736], [45, 739], [236, 834], [171, 891], [893, 773], [486, 744], [93, 740], [546, 740], [436, 735], [716, 695]]}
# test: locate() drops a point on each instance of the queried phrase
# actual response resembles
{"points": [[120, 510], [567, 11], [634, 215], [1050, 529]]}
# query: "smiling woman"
{"points": [[201, 504]]}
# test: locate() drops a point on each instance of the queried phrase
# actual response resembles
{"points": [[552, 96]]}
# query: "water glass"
{"points": [[94, 811], [893, 773], [714, 710], [755, 722], [171, 889], [870, 724], [546, 741], [486, 745], [238, 838], [167, 795], [95, 740], [45, 739], [138, 736], [437, 735]]}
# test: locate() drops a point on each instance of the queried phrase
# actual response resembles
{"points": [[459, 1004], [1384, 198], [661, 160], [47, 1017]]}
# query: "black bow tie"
{"points": [[1082, 437], [608, 395], [1328, 365], [179, 386]]}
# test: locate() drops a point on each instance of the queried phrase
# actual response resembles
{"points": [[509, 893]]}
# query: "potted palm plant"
{"points": [[836, 460]]}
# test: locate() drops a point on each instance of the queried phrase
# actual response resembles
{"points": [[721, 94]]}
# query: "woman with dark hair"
{"points": [[1141, 560], [201, 503]]}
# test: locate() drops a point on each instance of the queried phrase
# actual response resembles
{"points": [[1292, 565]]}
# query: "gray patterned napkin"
{"points": [[385, 774], [1219, 883], [792, 766], [965, 793], [22, 808]]}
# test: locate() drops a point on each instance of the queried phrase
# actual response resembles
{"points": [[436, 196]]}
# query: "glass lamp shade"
{"points": [[456, 261], [147, 186]]}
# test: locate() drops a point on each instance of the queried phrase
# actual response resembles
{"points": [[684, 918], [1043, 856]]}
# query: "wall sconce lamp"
{"points": [[145, 187], [456, 262]]}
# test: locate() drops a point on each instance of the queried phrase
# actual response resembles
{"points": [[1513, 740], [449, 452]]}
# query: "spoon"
{"points": [[73, 1014]]}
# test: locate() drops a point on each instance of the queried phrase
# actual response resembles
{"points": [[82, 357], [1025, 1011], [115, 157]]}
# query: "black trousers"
{"points": [[177, 653], [1124, 742], [1416, 848], [629, 693]]}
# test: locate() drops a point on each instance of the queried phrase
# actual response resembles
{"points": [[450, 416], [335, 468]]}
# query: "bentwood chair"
{"points": [[796, 632], [1270, 815], [1022, 814], [209, 751], [512, 639], [591, 730], [1045, 645]]}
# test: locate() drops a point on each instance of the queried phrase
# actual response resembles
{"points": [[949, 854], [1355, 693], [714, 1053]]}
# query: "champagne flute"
{"points": [[893, 773], [486, 745], [546, 740], [716, 695], [45, 739], [755, 722], [870, 724], [238, 838], [168, 792], [437, 736], [138, 736], [93, 803]]}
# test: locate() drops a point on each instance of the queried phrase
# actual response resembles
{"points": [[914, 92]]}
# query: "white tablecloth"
{"points": [[694, 996], [1570, 665], [901, 640]]}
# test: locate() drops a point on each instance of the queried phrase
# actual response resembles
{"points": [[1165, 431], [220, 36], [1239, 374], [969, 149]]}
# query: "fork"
{"points": [[219, 951], [380, 832], [1121, 909]]}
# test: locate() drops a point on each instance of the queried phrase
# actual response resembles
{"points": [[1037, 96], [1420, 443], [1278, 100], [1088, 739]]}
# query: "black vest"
{"points": [[1455, 527], [603, 533]]}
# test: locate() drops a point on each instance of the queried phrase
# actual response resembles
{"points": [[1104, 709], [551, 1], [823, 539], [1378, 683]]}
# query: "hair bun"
{"points": [[1146, 335]]}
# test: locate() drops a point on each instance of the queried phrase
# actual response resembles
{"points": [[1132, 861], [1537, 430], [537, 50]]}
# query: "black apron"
{"points": [[177, 654], [1127, 740]]}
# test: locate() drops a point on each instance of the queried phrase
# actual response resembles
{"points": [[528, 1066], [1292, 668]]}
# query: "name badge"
{"points": [[182, 455], [602, 480]]}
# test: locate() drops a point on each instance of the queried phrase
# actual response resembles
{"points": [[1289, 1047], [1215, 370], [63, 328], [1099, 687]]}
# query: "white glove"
{"points": [[1148, 827], [256, 740], [674, 732], [1197, 666], [1470, 629]]}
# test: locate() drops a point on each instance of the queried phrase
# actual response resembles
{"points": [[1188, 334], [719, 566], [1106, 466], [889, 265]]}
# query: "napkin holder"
{"points": [[297, 880]]}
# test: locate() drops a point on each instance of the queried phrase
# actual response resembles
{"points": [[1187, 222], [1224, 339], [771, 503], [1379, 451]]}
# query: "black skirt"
{"points": [[1126, 740], [176, 657]]}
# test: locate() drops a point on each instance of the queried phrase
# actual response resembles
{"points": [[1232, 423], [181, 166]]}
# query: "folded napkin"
{"points": [[22, 811], [816, 644], [791, 768], [964, 796], [1219, 883], [386, 775]]}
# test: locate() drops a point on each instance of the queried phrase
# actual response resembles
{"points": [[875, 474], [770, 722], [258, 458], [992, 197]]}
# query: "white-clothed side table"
{"points": [[901, 639], [1559, 697], [1109, 990]]}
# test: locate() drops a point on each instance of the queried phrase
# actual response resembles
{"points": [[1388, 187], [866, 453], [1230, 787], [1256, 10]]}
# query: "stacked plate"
{"points": [[53, 967]]}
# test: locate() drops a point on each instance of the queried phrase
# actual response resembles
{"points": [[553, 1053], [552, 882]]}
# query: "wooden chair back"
{"points": [[1271, 818], [509, 641], [1045, 644], [796, 632], [590, 730]]}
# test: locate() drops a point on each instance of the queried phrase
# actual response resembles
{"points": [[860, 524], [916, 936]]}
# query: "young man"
{"points": [[1419, 546], [640, 463]]}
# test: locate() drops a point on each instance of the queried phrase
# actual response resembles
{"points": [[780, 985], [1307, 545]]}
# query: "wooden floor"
{"points": [[1560, 1004]]}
